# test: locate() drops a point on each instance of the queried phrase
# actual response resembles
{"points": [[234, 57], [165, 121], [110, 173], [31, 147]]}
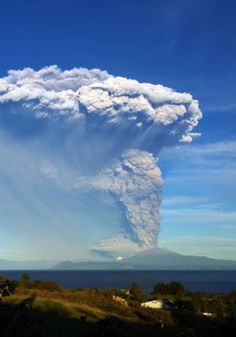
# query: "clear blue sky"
{"points": [[186, 45]]}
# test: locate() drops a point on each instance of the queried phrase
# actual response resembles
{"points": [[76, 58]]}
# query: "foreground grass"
{"points": [[65, 313], [63, 308], [94, 313]]}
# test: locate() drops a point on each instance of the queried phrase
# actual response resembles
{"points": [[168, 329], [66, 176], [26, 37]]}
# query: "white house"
{"points": [[155, 304], [160, 304], [208, 314]]}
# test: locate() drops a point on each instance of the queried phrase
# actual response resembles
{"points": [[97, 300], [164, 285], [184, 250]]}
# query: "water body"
{"points": [[209, 281]]}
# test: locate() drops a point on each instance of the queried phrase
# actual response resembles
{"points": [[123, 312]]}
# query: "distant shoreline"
{"points": [[194, 280]]}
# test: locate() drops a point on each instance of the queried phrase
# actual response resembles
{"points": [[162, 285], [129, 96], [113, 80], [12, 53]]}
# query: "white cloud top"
{"points": [[123, 121], [79, 92]]}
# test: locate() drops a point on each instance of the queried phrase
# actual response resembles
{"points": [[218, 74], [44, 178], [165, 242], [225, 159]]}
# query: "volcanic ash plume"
{"points": [[115, 127], [135, 181]]}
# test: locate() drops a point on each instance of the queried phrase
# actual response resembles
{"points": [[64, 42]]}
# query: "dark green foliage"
{"points": [[231, 306], [159, 317], [24, 281], [172, 288], [7, 287], [2, 278], [184, 305], [220, 305], [11, 285], [136, 292], [197, 302], [45, 285], [44, 309]]}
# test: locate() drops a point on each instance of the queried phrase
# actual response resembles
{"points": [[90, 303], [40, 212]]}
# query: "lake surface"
{"points": [[209, 281]]}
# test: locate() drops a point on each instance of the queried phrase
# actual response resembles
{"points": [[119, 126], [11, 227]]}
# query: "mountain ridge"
{"points": [[153, 259]]}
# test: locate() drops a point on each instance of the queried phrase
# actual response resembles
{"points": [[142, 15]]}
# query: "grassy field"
{"points": [[46, 310], [46, 313]]}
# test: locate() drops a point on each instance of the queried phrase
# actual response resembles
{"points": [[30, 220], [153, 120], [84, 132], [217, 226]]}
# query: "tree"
{"points": [[219, 306], [2, 278], [176, 288], [161, 288], [136, 292], [172, 288], [198, 304], [24, 281], [231, 306]]}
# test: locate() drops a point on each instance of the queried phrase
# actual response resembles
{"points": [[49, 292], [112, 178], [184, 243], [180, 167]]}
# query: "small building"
{"points": [[160, 304], [208, 314]]}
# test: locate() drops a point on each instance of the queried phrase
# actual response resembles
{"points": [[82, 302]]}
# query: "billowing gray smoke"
{"points": [[136, 182], [119, 127]]}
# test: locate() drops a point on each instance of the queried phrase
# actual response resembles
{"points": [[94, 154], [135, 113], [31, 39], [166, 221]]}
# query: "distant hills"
{"points": [[153, 259], [26, 265]]}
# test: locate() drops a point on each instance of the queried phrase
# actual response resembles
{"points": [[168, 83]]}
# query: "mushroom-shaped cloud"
{"points": [[121, 122]]}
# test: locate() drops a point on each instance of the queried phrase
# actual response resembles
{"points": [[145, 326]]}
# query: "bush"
{"points": [[172, 288], [231, 306], [156, 316], [24, 281], [136, 292], [45, 285], [2, 278], [7, 287]]}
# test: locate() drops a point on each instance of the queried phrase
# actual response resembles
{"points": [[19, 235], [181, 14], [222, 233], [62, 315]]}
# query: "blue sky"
{"points": [[186, 45]]}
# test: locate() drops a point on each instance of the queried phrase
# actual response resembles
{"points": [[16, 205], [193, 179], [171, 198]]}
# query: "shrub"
{"points": [[156, 316], [24, 281], [172, 288], [45, 285], [136, 292]]}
